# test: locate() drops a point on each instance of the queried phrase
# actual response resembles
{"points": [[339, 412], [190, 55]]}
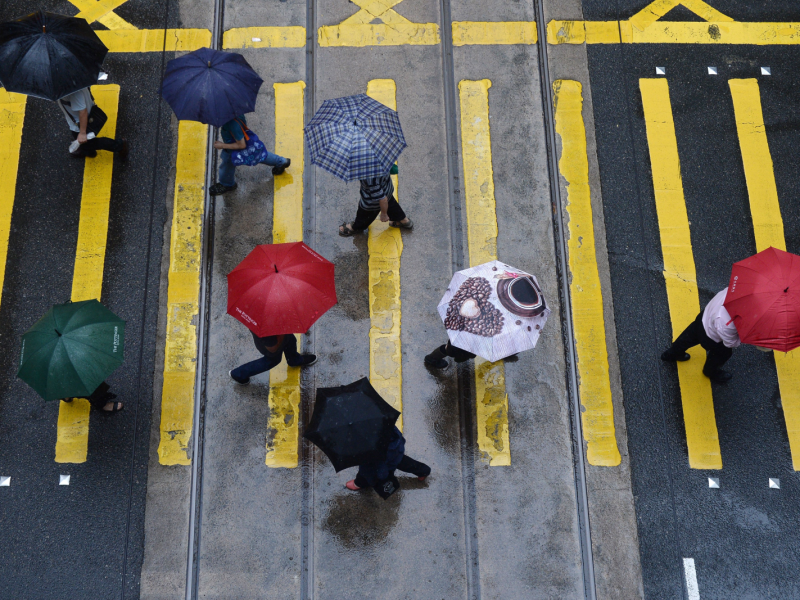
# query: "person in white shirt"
{"points": [[76, 107], [715, 331]]}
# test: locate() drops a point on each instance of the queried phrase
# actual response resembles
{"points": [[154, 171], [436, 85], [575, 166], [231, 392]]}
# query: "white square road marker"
{"points": [[774, 483], [712, 70], [766, 71], [256, 39], [713, 482], [5, 481], [63, 480], [690, 572], [661, 70]]}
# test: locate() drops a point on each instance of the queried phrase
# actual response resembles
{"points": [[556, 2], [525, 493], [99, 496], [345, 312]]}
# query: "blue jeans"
{"points": [[227, 169], [268, 361]]}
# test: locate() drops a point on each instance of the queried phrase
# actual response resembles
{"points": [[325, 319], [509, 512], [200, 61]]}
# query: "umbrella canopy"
{"points": [[281, 288], [48, 55], [351, 424], [493, 310], [764, 299], [210, 86], [71, 350], [355, 137]]}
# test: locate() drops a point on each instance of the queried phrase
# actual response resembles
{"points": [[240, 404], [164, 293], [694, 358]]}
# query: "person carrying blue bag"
{"points": [[240, 146]]}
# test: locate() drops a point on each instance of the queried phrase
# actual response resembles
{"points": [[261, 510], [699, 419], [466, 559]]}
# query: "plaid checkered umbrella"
{"points": [[355, 137]]}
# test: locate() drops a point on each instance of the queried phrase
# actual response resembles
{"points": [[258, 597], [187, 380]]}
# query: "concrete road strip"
{"points": [[72, 437], [679, 272], [768, 230]]}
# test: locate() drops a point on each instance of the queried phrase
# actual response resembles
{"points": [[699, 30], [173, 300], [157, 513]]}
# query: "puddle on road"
{"points": [[363, 519], [352, 281]]}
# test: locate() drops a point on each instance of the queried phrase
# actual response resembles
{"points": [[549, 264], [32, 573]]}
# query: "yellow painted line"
{"points": [[114, 21], [264, 37], [287, 226], [153, 40], [679, 272], [183, 289], [583, 32], [492, 33], [385, 249], [12, 115], [657, 9], [768, 229], [72, 432], [392, 29], [476, 149], [585, 291]]}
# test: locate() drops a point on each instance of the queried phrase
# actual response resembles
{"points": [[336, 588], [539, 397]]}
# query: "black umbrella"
{"points": [[48, 55], [351, 424]]}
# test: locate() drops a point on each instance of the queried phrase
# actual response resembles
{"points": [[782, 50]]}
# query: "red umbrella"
{"points": [[764, 299], [281, 288]]}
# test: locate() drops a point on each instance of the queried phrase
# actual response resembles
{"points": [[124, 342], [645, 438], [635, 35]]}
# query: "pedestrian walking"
{"points": [[273, 348], [377, 198], [235, 136], [85, 120], [380, 475], [102, 399], [436, 359], [714, 330]]}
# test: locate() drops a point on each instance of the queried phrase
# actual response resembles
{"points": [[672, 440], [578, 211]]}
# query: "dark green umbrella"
{"points": [[71, 350]]}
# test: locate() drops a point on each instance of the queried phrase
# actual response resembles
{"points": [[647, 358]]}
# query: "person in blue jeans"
{"points": [[273, 347], [233, 139]]}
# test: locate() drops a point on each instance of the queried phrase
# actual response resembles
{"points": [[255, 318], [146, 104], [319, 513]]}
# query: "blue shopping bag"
{"points": [[254, 152]]}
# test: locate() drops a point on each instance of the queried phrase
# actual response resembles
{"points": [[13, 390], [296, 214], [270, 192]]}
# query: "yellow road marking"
{"points": [[585, 290], [72, 433], [393, 30], [476, 149], [679, 272], [768, 229], [645, 28], [153, 40], [183, 289], [385, 249], [491, 33], [12, 115], [287, 226], [102, 11], [268, 37]]}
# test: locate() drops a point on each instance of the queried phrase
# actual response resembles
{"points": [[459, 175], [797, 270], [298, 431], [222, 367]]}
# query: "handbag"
{"points": [[97, 117], [253, 153]]}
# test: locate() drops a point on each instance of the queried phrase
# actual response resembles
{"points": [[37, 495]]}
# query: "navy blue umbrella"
{"points": [[355, 137], [210, 86]]}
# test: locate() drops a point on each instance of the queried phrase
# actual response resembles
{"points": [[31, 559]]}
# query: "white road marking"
{"points": [[661, 70], [63, 480], [774, 483], [713, 482], [712, 70], [691, 579], [5, 481], [766, 71]]}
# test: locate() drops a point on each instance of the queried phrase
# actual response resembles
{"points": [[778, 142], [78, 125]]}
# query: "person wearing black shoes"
{"points": [[85, 120], [714, 330], [102, 399], [436, 359], [273, 347], [234, 134]]}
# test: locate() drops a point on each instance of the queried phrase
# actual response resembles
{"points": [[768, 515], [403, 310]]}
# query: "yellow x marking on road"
{"points": [[102, 11], [392, 29]]}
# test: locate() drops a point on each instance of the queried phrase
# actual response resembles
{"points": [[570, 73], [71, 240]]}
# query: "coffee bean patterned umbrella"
{"points": [[493, 310]]}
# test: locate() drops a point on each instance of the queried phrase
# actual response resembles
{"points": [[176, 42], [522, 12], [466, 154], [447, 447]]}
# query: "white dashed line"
{"points": [[691, 579]]}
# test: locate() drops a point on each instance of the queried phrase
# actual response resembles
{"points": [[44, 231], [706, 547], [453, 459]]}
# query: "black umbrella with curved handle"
{"points": [[351, 424]]}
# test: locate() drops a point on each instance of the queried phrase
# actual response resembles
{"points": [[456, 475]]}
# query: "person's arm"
{"points": [[238, 145], [83, 121], [384, 204], [278, 344]]}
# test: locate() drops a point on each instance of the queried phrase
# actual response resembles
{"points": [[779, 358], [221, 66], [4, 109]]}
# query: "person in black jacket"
{"points": [[102, 399], [436, 359], [380, 476], [273, 347]]}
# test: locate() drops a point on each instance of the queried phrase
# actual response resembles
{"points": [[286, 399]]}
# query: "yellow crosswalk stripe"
{"points": [[12, 115], [264, 37], [287, 226], [476, 149], [385, 249], [768, 229], [72, 437], [183, 290], [679, 272], [585, 291], [484, 33], [154, 40]]}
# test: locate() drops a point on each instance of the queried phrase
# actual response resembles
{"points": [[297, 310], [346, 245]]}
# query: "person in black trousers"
{"points": [[378, 475], [77, 108], [273, 347], [102, 399], [436, 359], [377, 198]]}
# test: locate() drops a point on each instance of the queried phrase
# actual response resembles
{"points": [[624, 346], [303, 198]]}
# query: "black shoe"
{"points": [[245, 382], [309, 359], [718, 376], [435, 363], [87, 154], [218, 189], [670, 358], [123, 150], [280, 170]]}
